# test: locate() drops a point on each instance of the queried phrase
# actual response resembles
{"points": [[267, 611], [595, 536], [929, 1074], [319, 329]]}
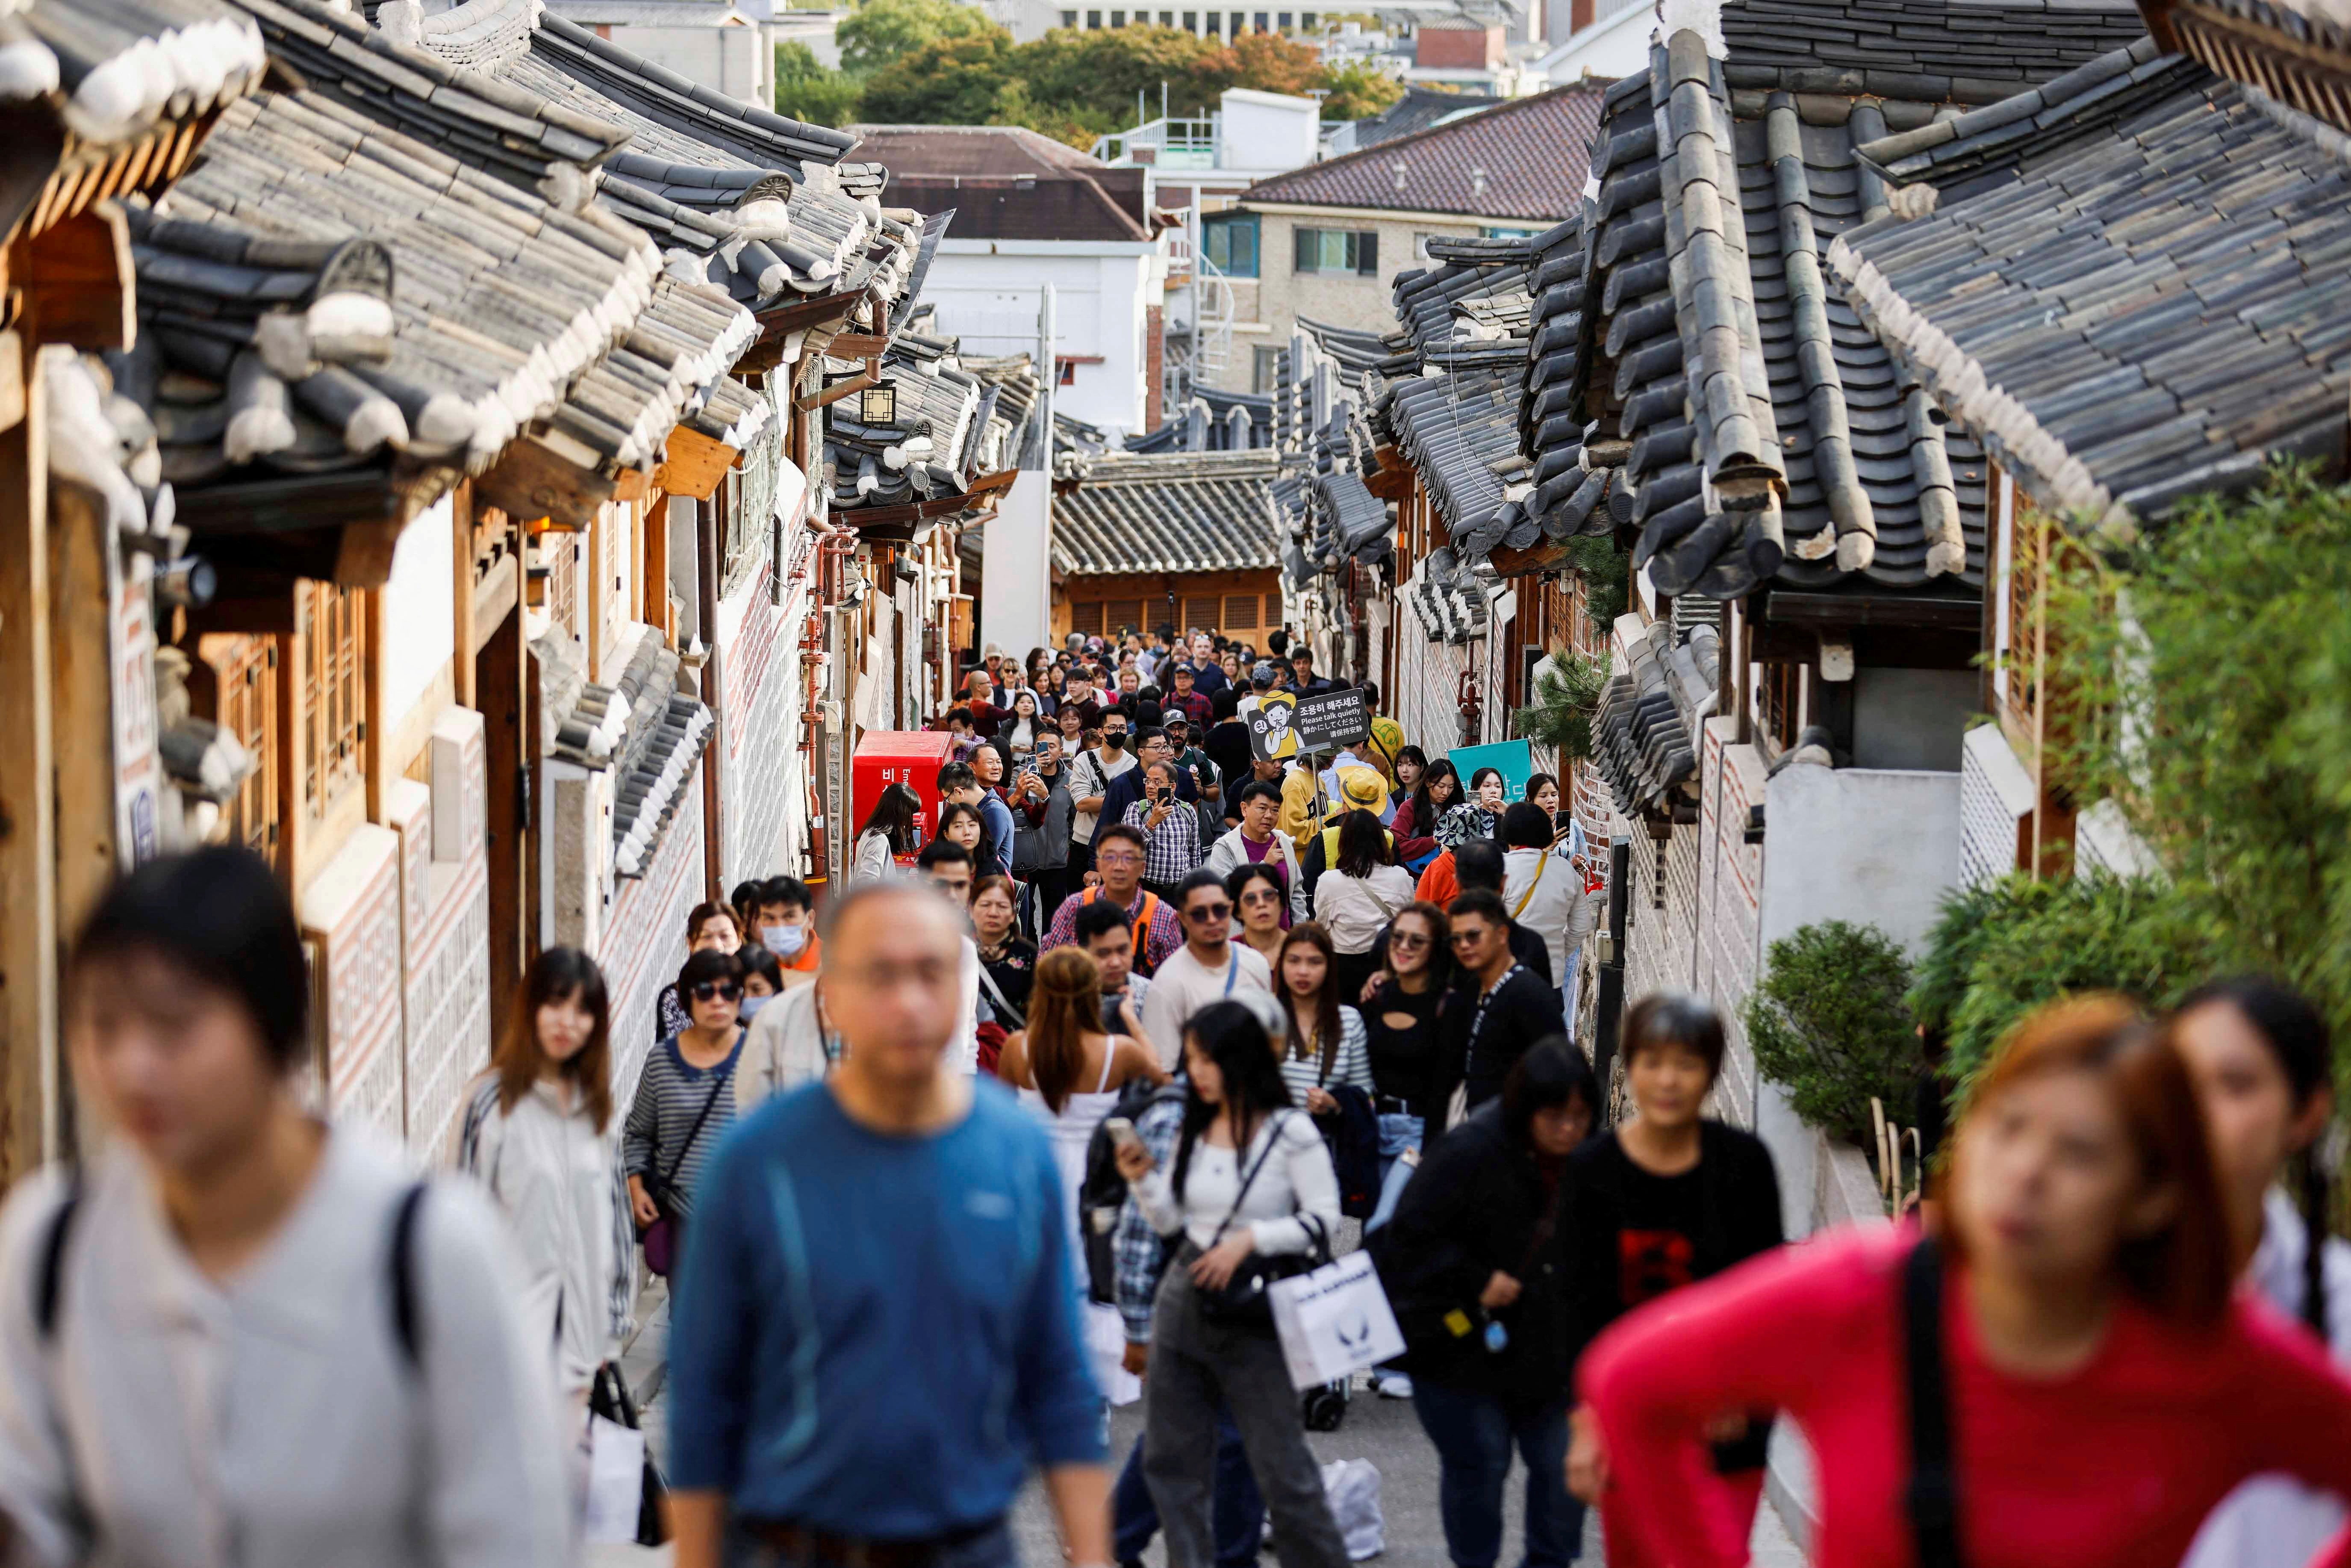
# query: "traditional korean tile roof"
{"points": [[1769, 436], [1194, 511], [1214, 420], [1645, 729], [931, 448], [656, 755], [2133, 313], [1012, 438], [1447, 597], [1522, 160], [113, 69]]}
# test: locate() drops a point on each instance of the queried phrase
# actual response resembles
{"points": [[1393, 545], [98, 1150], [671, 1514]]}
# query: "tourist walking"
{"points": [[1254, 842], [1478, 817], [1473, 1263], [1120, 857], [1008, 965], [710, 927], [2262, 1063], [1042, 811], [1666, 1199], [1263, 902], [905, 1438], [1251, 1179], [1104, 935], [2102, 1384], [1326, 1046], [685, 1103], [1543, 888], [1070, 1074], [784, 924], [1435, 791], [538, 1134], [888, 834], [238, 1332], [1500, 1007], [1354, 899], [1209, 967], [1170, 828], [1092, 769], [1403, 1037]]}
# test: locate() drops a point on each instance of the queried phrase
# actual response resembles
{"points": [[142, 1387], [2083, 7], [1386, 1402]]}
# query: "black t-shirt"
{"points": [[1013, 973], [1404, 1061], [1487, 1042], [1227, 745]]}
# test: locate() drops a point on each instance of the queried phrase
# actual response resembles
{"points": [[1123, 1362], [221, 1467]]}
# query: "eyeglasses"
{"points": [[1210, 912], [716, 990], [1407, 939], [1260, 895], [1114, 858]]}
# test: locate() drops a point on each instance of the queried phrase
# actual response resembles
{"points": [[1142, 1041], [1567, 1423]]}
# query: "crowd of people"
{"points": [[1028, 1129]]}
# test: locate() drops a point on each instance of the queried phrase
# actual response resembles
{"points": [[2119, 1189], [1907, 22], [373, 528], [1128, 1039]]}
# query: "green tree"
{"points": [[880, 33], [1271, 63], [1358, 90], [1566, 697], [808, 90], [950, 82], [1828, 1024], [2210, 658], [1098, 77]]}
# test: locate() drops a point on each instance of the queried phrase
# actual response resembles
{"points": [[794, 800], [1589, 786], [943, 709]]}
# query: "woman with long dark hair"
{"points": [[1251, 1179], [887, 835], [1473, 1263], [2097, 1385], [1436, 792], [1402, 1039], [685, 1103], [1071, 1073], [2262, 1062], [1479, 816], [1326, 1037], [538, 1133], [1357, 895], [236, 1330]]}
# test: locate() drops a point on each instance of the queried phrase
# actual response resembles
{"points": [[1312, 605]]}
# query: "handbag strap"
{"points": [[694, 1131], [1248, 1178], [1542, 864], [988, 983], [1933, 1496]]}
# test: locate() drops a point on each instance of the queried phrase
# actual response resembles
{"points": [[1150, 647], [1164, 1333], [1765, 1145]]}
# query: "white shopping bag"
{"points": [[1333, 1322], [616, 1480], [1353, 1487]]}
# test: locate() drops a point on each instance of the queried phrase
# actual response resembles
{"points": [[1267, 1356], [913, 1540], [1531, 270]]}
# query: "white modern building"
{"points": [[723, 45]]}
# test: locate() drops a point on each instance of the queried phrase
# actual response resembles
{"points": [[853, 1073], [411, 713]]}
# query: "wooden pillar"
{"points": [[29, 914], [81, 703], [461, 520]]}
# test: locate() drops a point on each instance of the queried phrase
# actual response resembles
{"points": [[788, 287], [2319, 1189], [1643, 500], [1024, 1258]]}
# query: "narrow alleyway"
{"points": [[1380, 1431]]}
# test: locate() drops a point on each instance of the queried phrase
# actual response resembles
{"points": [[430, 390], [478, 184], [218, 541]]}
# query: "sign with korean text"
{"points": [[1329, 720], [1272, 726]]}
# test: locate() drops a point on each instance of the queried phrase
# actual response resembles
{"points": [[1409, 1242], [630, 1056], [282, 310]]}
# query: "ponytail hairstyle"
{"points": [[1064, 1006], [2298, 1037]]}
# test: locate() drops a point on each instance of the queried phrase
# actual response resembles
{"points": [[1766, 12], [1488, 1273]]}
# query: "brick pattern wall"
{"points": [[759, 671], [358, 941], [644, 939]]}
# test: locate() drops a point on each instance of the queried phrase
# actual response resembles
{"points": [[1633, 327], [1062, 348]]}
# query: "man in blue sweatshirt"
{"points": [[875, 1329]]}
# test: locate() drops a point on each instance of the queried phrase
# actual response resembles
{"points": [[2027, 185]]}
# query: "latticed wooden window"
{"points": [[1240, 613], [334, 693], [248, 684], [561, 552], [1124, 614], [1202, 613], [1086, 620]]}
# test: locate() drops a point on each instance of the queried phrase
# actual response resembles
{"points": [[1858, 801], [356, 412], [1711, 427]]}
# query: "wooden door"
{"points": [[498, 671]]}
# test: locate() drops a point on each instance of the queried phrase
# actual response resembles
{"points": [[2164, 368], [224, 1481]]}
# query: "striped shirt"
{"points": [[1352, 1064], [670, 1094]]}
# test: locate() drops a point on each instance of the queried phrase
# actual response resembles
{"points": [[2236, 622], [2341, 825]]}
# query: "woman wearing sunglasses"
{"points": [[685, 1103]]}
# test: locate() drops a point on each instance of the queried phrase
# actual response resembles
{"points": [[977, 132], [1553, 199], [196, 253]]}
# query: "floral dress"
{"points": [[1464, 823]]}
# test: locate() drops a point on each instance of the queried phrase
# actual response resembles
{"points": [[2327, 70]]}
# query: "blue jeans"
{"points": [[1239, 1517], [1567, 990], [1473, 1434], [1398, 1133], [991, 1548]]}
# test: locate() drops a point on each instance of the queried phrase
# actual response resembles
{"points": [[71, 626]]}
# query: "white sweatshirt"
{"points": [[560, 1182], [273, 1421]]}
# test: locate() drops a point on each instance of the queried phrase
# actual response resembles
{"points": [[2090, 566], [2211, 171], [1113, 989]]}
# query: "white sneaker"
{"points": [[1391, 1385]]}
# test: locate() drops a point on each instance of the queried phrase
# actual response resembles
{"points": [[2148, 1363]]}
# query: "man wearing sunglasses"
{"points": [[1509, 1009], [1209, 967], [899, 1197]]}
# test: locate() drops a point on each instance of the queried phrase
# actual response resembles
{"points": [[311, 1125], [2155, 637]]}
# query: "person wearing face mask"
{"points": [[784, 924], [538, 1134], [685, 1103], [763, 981], [1091, 770]]}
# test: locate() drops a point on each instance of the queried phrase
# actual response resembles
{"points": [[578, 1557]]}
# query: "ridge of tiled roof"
{"points": [[1189, 511], [1523, 160], [969, 150], [1949, 51], [1419, 109], [113, 71], [2136, 316]]}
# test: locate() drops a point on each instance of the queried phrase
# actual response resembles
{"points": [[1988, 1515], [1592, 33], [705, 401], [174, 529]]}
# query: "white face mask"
{"points": [[784, 941]]}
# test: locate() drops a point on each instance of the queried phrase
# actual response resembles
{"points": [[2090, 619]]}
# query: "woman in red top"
{"points": [[2106, 1389]]}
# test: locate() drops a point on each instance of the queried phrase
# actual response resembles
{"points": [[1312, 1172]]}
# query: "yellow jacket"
{"points": [[1299, 817]]}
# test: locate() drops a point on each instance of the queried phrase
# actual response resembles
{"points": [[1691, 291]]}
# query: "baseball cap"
{"points": [[1261, 677]]}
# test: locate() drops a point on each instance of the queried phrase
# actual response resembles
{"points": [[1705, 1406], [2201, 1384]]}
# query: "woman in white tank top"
{"points": [[1048, 1063]]}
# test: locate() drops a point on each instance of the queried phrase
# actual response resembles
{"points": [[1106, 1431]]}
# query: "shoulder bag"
{"points": [[661, 1238], [1242, 1302], [1932, 1498]]}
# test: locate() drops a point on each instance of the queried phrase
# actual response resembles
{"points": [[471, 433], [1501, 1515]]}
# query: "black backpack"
{"points": [[1103, 1195]]}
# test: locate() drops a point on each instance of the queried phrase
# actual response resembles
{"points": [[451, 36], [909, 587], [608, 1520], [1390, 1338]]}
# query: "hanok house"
{"points": [[1183, 540], [1808, 530], [101, 106], [2134, 283]]}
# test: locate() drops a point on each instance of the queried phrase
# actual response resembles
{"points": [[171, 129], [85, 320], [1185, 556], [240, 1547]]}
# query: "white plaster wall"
{"points": [[420, 607], [1273, 131], [736, 61], [987, 295]]}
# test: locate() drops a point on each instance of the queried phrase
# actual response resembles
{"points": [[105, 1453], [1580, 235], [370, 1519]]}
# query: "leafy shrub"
{"points": [[1566, 697], [1828, 1024]]}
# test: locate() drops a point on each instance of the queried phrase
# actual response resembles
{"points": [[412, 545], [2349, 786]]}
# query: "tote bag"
{"points": [[1333, 1322]]}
